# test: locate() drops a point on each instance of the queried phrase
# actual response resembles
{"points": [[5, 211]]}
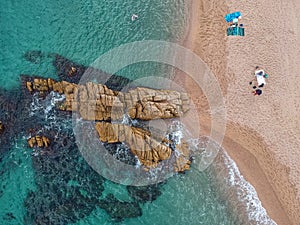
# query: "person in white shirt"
{"points": [[259, 74]]}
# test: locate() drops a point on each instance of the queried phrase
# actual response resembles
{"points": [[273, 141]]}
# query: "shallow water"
{"points": [[81, 31], [17, 178]]}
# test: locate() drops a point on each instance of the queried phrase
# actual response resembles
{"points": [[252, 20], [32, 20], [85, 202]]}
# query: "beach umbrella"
{"points": [[229, 17]]}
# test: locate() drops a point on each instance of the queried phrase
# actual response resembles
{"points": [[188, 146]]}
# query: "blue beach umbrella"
{"points": [[229, 17]]}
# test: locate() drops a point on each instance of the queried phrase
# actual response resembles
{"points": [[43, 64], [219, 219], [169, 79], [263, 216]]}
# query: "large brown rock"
{"points": [[97, 102], [148, 104], [148, 149]]}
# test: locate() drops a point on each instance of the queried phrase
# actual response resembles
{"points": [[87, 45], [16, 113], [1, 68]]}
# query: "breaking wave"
{"points": [[245, 202]]}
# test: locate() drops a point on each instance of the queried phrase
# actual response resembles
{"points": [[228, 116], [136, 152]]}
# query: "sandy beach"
{"points": [[263, 132]]}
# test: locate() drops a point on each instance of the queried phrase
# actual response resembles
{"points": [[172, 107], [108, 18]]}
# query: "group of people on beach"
{"points": [[260, 76]]}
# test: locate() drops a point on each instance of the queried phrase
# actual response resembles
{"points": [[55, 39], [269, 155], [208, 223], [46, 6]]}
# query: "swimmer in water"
{"points": [[134, 17]]}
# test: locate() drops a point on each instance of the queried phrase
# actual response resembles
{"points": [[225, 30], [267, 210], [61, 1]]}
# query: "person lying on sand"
{"points": [[260, 76]]}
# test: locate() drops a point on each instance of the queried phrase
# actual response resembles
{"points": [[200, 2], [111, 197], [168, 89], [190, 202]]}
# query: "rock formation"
{"points": [[148, 104], [39, 141], [1, 127], [60, 171], [97, 102], [183, 159], [149, 150]]}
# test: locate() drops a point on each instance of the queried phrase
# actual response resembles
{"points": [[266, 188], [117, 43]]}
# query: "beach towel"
{"points": [[229, 17], [235, 31], [260, 80]]}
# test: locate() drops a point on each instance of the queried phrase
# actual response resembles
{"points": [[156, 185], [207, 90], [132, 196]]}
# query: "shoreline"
{"points": [[258, 160]]}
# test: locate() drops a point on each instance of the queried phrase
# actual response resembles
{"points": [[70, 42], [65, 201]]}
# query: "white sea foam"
{"points": [[176, 132], [243, 196], [46, 110], [45, 106], [138, 162], [51, 100], [242, 193], [126, 119], [35, 105]]}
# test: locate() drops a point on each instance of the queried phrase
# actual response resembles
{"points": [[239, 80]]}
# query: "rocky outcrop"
{"points": [[1, 127], [148, 104], [182, 162], [39, 141], [149, 150], [97, 102]]}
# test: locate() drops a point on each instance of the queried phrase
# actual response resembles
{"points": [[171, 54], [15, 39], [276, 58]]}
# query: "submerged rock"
{"points": [[14, 116], [144, 194], [122, 153], [67, 187], [1, 127], [68, 70], [72, 72], [34, 56], [9, 216], [119, 210]]}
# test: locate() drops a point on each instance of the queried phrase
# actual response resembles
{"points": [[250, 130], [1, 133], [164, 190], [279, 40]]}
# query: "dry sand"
{"points": [[263, 132]]}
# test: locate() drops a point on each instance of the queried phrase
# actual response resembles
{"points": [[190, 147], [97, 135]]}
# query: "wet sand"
{"points": [[263, 132]]}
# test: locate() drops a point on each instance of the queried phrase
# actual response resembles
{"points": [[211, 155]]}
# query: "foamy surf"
{"points": [[240, 195], [243, 197], [46, 110]]}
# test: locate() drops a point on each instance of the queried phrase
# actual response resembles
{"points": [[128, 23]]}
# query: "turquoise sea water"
{"points": [[81, 31]]}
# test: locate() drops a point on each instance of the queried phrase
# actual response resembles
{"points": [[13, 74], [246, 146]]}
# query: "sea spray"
{"points": [[241, 196], [47, 116]]}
